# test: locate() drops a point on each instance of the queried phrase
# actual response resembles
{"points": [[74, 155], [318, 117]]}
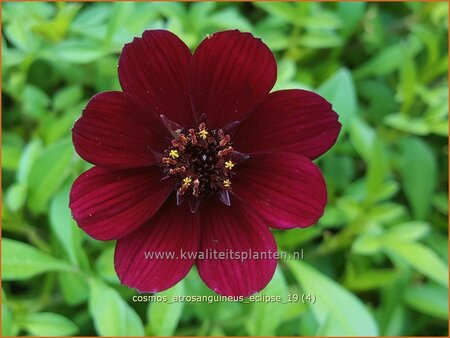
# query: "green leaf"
{"points": [[48, 173], [62, 224], [31, 152], [350, 14], [35, 101], [10, 156], [389, 59], [105, 265], [121, 12], [48, 324], [265, 318], [379, 95], [321, 21], [422, 259], [74, 288], [20, 36], [55, 30], [395, 318], [67, 97], [78, 52], [418, 171], [377, 170], [55, 127], [90, 19], [215, 311], [8, 327], [331, 299], [163, 317], [282, 10], [229, 19], [367, 244], [320, 40], [328, 326], [407, 232], [440, 202], [417, 126], [339, 172], [274, 39], [371, 243], [340, 91], [111, 314], [16, 196], [387, 190], [428, 299], [22, 261], [362, 137], [440, 128], [386, 212], [370, 280], [408, 83], [171, 9]]}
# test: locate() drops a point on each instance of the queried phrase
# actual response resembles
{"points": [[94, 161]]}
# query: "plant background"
{"points": [[377, 262]]}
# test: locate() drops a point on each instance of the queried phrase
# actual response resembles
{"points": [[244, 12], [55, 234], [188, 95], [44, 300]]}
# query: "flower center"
{"points": [[201, 161]]}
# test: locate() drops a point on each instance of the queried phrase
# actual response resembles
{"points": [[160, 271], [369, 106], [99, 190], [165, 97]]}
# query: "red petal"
{"points": [[116, 132], [173, 229], [226, 229], [232, 72], [110, 204], [156, 68], [296, 121], [286, 189]]}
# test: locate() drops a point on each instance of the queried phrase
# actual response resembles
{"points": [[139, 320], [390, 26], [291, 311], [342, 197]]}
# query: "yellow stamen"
{"points": [[203, 134], [187, 181], [174, 154], [227, 183], [229, 165]]}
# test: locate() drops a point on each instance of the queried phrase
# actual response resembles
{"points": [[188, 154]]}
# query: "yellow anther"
{"points": [[187, 181], [229, 165], [203, 134], [174, 154], [226, 183]]}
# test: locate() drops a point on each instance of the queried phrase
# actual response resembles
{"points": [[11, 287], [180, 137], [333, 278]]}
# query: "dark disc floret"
{"points": [[201, 162]]}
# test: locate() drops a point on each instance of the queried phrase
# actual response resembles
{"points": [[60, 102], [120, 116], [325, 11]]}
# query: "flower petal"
{"points": [[156, 68], [110, 204], [286, 189], [232, 72], [226, 229], [296, 121], [115, 131], [173, 230]]}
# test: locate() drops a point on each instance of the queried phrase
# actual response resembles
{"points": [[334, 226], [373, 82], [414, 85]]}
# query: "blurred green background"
{"points": [[376, 263]]}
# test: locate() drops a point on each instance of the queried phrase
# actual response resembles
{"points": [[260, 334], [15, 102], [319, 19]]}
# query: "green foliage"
{"points": [[48, 324], [264, 318], [328, 310], [48, 173], [164, 317], [340, 90], [422, 259], [419, 175], [429, 299], [376, 262], [22, 261], [112, 316]]}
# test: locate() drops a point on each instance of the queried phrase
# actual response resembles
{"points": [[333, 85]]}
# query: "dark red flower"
{"points": [[196, 155]]}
